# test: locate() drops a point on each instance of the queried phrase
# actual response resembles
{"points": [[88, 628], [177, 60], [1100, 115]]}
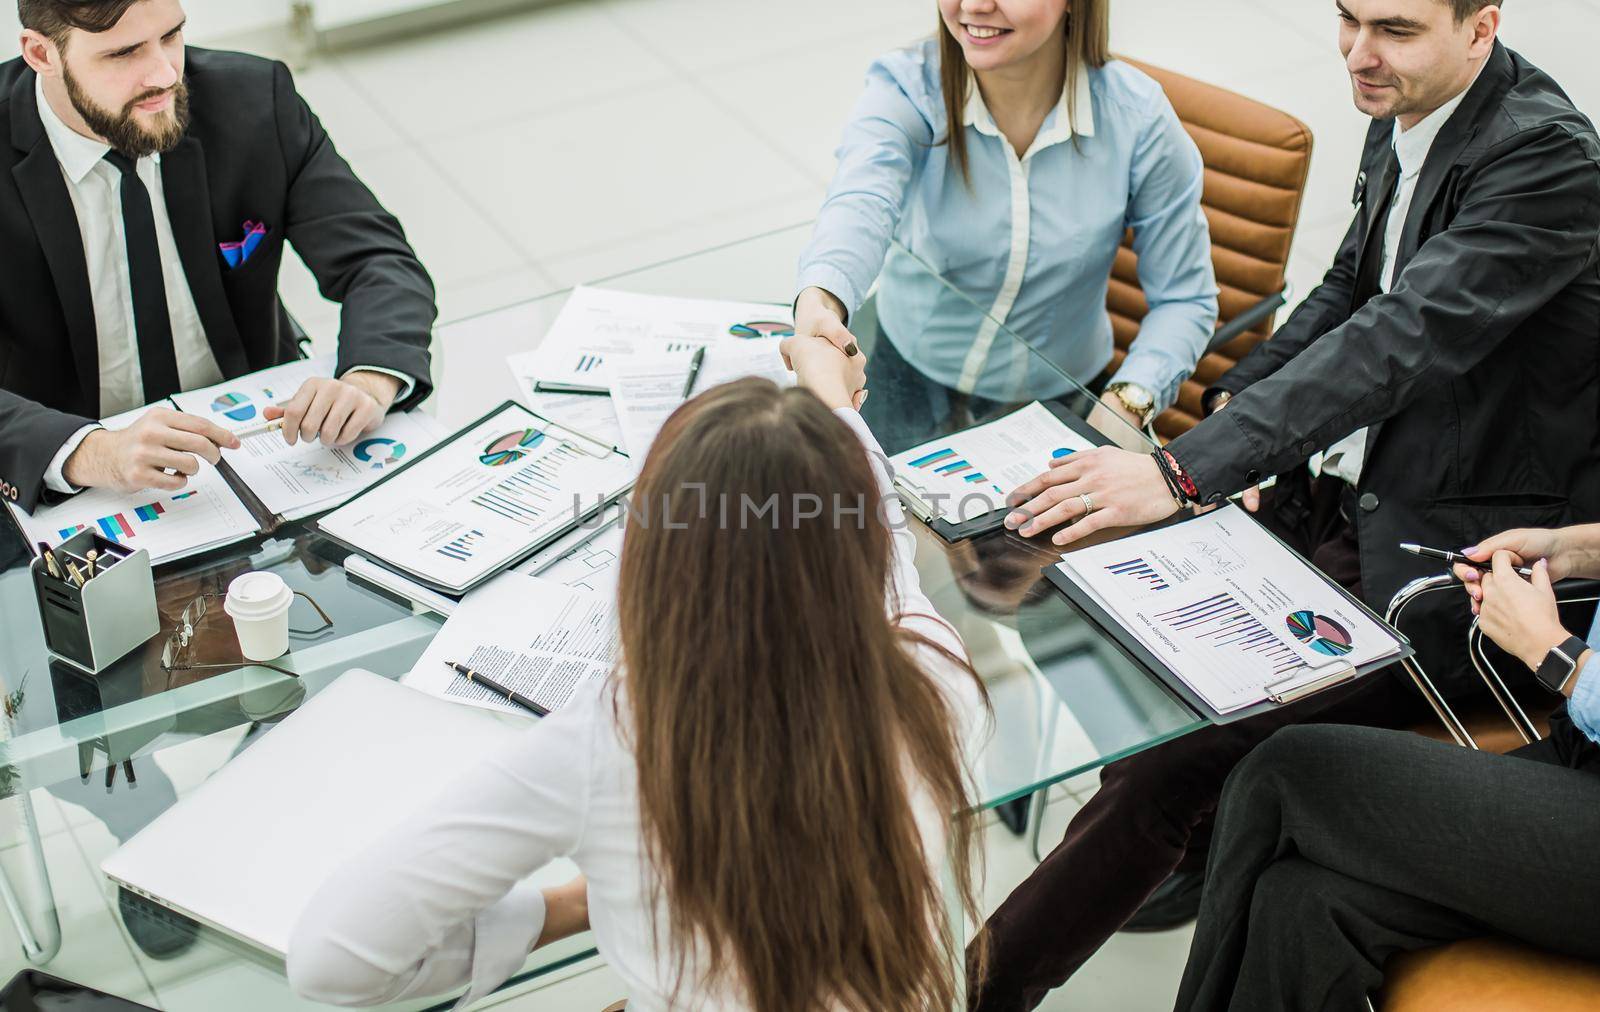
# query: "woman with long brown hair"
{"points": [[765, 794], [1010, 154]]}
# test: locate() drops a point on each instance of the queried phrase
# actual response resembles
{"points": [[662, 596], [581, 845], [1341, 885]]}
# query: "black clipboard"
{"points": [[569, 436], [994, 520], [1131, 647]]}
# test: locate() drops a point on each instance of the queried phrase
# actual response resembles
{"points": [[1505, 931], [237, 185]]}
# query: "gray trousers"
{"points": [[1337, 847]]}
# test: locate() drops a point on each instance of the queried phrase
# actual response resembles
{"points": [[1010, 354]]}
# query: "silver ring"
{"points": [[1088, 503]]}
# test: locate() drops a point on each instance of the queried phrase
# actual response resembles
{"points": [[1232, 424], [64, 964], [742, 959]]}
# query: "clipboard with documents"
{"points": [[1225, 615], [957, 484], [482, 500]]}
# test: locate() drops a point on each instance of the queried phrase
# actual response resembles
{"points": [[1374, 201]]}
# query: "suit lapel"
{"points": [[55, 223], [188, 197], [1456, 136]]}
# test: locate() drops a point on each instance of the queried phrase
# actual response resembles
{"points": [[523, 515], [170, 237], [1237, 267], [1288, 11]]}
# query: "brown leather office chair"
{"points": [[1256, 161]]}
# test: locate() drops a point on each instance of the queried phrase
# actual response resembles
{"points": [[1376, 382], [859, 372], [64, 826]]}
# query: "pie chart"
{"points": [[1320, 633], [234, 406], [762, 328], [379, 453], [511, 447]]}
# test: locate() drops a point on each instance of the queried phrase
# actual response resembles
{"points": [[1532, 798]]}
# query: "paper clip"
{"points": [[1324, 676]]}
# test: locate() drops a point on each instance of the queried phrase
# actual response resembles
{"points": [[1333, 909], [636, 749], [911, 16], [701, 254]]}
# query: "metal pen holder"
{"points": [[97, 623]]}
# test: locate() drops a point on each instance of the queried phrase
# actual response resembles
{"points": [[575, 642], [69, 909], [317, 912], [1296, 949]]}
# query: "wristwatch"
{"points": [[1560, 664], [1140, 402]]}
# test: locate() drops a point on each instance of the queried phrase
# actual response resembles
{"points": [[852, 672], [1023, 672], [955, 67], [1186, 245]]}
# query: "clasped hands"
{"points": [[164, 447]]}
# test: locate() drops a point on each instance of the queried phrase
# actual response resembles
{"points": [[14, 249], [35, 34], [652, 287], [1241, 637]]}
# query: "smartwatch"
{"points": [[1561, 663]]}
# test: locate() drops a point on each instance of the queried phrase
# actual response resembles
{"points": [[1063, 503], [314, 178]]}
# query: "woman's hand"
{"points": [[817, 313], [837, 379], [1520, 615], [1523, 547]]}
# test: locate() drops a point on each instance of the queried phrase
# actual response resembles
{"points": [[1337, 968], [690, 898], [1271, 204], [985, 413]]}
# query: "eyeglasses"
{"points": [[174, 655]]}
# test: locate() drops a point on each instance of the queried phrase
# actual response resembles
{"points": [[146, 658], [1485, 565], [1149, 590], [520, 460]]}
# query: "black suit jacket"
{"points": [[254, 151], [1479, 372]]}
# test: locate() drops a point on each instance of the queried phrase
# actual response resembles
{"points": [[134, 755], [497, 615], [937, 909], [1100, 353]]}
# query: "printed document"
{"points": [[599, 327], [481, 501], [531, 635], [968, 474], [1228, 608], [204, 514], [308, 477]]}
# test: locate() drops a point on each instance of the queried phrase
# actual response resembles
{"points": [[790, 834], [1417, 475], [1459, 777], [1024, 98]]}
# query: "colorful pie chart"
{"points": [[762, 328], [1320, 633], [235, 406], [511, 447], [379, 452]]}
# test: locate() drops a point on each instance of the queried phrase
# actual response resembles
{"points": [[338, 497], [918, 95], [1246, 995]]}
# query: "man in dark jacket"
{"points": [[1444, 381], [146, 194]]}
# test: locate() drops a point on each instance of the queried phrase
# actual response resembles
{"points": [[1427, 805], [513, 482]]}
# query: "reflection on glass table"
{"points": [[99, 757]]}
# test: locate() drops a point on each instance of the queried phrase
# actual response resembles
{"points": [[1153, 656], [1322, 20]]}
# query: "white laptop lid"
{"points": [[245, 852]]}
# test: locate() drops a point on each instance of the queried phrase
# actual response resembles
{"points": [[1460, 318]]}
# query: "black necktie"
{"points": [[158, 362], [1369, 273]]}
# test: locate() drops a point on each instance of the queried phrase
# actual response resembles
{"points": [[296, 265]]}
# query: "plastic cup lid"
{"points": [[258, 596]]}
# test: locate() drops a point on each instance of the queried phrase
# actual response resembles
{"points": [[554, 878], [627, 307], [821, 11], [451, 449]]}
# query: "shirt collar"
{"points": [[1411, 147], [1057, 127], [77, 154]]}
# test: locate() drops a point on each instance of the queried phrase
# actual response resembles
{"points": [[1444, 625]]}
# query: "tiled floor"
{"points": [[576, 141]]}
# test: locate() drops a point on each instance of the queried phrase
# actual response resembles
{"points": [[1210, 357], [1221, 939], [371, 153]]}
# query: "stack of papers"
{"points": [[598, 328], [1228, 608], [646, 391]]}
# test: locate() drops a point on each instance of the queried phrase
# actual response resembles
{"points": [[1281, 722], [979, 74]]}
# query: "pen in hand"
{"points": [[1456, 559], [496, 688]]}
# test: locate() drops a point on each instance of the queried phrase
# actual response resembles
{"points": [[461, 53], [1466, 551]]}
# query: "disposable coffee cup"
{"points": [[259, 604]]}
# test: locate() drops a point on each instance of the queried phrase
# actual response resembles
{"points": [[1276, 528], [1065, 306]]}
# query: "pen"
{"points": [[694, 369], [260, 430], [496, 688], [1455, 558], [77, 576], [50, 561], [89, 557]]}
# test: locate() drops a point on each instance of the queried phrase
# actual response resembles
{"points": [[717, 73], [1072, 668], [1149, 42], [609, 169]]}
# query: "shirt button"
{"points": [[1214, 498], [1369, 503], [1308, 448], [1252, 477]]}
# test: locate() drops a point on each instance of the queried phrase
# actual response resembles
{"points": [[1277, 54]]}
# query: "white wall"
{"points": [[208, 20]]}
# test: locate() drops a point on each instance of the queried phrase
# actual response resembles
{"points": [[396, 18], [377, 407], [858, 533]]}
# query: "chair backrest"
{"points": [[1256, 160]]}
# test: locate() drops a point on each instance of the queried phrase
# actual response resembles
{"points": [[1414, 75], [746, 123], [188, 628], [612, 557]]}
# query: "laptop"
{"points": [[245, 852]]}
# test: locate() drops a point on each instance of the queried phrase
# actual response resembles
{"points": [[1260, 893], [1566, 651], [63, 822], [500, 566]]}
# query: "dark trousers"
{"points": [[1153, 807], [1338, 847]]}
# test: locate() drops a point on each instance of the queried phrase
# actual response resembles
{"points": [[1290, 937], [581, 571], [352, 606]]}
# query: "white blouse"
{"points": [[445, 902]]}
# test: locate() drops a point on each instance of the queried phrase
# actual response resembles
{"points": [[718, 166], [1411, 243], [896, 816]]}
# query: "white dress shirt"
{"points": [[1345, 458], [95, 187], [444, 902]]}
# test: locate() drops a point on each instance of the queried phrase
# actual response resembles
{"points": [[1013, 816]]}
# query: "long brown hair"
{"points": [[780, 726], [1086, 34]]}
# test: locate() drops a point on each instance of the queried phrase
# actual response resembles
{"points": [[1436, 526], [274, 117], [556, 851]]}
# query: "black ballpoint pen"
{"points": [[1455, 558], [694, 369], [496, 688]]}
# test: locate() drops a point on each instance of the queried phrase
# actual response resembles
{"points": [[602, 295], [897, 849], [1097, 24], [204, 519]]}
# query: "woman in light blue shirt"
{"points": [[1058, 150]]}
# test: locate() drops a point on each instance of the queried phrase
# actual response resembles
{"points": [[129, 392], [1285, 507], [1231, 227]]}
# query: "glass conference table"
{"points": [[85, 762]]}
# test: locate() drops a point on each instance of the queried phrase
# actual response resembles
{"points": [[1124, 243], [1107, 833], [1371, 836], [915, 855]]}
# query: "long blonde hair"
{"points": [[1086, 35], [779, 722]]}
